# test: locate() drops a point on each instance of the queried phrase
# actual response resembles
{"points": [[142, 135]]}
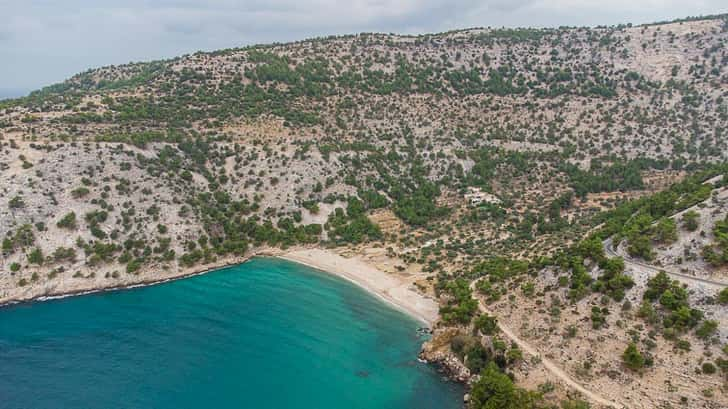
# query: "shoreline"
{"points": [[387, 287], [141, 283], [384, 286]]}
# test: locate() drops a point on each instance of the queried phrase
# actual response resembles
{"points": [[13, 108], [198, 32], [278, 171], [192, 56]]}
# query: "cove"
{"points": [[267, 333]]}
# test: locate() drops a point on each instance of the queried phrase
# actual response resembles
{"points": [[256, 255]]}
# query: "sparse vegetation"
{"points": [[506, 156]]}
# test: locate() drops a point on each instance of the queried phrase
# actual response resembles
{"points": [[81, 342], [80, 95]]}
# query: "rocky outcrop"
{"points": [[437, 351]]}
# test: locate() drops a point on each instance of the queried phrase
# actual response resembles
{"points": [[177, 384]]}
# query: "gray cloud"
{"points": [[42, 42]]}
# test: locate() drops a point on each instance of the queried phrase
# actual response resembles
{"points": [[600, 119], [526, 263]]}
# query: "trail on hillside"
{"points": [[547, 363], [653, 270]]}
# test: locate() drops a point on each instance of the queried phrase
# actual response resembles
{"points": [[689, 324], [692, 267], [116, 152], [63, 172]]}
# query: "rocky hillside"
{"points": [[654, 91], [493, 162]]}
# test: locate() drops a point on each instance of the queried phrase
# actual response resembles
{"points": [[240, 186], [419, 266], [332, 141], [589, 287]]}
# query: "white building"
{"points": [[476, 196]]}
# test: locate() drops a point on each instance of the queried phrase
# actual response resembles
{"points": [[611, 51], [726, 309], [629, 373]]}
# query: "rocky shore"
{"points": [[437, 351]]}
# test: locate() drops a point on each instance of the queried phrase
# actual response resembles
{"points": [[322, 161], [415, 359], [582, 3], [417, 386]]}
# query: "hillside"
{"points": [[485, 166]]}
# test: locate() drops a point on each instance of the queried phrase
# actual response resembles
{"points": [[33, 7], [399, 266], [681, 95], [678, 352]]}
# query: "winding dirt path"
{"points": [[630, 262], [547, 363]]}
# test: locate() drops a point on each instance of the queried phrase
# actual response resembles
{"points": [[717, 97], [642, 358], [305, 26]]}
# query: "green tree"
{"points": [[79, 192], [486, 324], [495, 390], [665, 231], [690, 220], [706, 329], [723, 296], [68, 221], [632, 358], [640, 246], [35, 256]]}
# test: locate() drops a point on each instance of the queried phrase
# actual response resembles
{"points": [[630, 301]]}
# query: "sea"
{"points": [[267, 333]]}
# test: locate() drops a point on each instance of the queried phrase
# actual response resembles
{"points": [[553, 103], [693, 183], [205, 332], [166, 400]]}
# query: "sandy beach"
{"points": [[395, 290]]}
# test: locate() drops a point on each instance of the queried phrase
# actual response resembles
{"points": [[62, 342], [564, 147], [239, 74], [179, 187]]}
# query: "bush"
{"points": [[35, 256], [495, 389], [419, 208], [706, 329], [599, 317], [486, 324], [64, 253], [665, 231], [23, 237], [461, 306], [460, 343], [68, 221], [79, 192], [690, 220], [354, 226], [723, 296], [613, 282], [97, 232], [717, 254], [708, 368], [16, 202], [640, 246], [134, 265], [683, 344], [632, 358], [574, 404]]}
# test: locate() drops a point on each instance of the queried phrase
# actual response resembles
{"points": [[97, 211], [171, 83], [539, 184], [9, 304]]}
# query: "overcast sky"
{"points": [[46, 41]]}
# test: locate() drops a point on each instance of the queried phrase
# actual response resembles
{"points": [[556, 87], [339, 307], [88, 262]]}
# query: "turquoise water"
{"points": [[265, 334]]}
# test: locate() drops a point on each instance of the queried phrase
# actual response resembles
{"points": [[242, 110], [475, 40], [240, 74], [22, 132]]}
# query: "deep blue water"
{"points": [[265, 334]]}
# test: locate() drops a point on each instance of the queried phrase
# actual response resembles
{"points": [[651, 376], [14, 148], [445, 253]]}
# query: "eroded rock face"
{"points": [[437, 351]]}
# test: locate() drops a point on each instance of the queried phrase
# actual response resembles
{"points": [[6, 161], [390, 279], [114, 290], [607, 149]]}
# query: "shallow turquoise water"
{"points": [[264, 334]]}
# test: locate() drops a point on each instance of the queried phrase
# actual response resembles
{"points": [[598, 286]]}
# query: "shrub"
{"points": [[683, 344], [64, 253], [514, 355], [690, 220], [495, 389], [598, 317], [706, 329], [574, 404], [16, 203], [717, 254], [486, 324], [36, 256], [723, 296], [97, 232], [134, 265], [23, 237], [68, 221], [79, 192], [632, 358], [708, 368], [460, 343], [461, 306], [665, 231]]}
